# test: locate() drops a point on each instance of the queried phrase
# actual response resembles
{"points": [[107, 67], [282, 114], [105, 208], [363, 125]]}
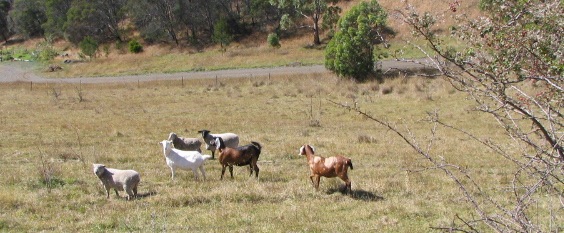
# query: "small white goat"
{"points": [[185, 143], [230, 139], [186, 160], [118, 180]]}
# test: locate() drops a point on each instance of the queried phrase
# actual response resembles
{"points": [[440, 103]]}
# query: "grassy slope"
{"points": [[251, 52]]}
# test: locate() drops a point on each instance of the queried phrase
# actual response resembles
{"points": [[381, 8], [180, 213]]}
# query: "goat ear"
{"points": [[301, 150]]}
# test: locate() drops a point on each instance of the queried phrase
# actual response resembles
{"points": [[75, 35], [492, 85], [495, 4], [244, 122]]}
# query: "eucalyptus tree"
{"points": [[158, 19], [28, 16], [5, 29], [311, 12], [99, 19], [56, 12]]}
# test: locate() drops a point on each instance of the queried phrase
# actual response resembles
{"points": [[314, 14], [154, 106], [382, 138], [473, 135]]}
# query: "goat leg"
{"points": [[203, 171], [316, 182], [347, 181], [222, 171], [256, 170], [231, 171], [195, 171], [134, 191]]}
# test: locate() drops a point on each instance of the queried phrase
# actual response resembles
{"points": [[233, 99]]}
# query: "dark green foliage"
{"points": [[56, 13], [221, 33], [5, 30], [89, 46], [273, 40], [99, 19], [28, 16], [135, 46], [350, 53], [157, 21]]}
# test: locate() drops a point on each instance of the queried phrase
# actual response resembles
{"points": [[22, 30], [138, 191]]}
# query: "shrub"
{"points": [[88, 46], [135, 46], [273, 40], [221, 33], [46, 52]]}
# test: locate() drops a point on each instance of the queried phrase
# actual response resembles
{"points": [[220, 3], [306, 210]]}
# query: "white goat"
{"points": [[185, 143], [186, 160], [118, 180], [230, 139]]}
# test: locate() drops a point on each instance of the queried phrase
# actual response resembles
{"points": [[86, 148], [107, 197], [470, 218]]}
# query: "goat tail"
{"points": [[257, 145], [206, 157], [349, 162]]}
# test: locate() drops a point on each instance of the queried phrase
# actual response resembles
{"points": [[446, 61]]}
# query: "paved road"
{"points": [[23, 72]]}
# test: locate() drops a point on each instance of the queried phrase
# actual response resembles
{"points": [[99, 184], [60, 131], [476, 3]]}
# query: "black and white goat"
{"points": [[230, 139]]}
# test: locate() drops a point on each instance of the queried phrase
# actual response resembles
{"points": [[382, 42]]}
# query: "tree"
{"points": [[221, 33], [157, 19], [312, 10], [28, 16], [56, 13], [510, 64], [99, 19], [5, 30], [350, 53]]}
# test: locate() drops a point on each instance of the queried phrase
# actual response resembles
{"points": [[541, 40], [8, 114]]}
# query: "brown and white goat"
{"points": [[336, 166], [240, 156]]}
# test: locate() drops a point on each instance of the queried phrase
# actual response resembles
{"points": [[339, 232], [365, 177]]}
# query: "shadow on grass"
{"points": [[357, 194], [143, 195]]}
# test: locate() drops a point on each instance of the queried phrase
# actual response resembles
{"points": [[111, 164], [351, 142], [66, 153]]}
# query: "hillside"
{"points": [[249, 52]]}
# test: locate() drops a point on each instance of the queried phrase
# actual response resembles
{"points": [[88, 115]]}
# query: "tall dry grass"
{"points": [[120, 125]]}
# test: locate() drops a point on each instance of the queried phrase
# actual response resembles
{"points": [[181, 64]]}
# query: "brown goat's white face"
{"points": [[302, 150], [98, 169]]}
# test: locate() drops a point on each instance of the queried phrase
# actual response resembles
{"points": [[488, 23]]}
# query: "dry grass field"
{"points": [[52, 133]]}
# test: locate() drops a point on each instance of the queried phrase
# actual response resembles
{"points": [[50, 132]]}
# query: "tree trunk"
{"points": [[316, 39]]}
